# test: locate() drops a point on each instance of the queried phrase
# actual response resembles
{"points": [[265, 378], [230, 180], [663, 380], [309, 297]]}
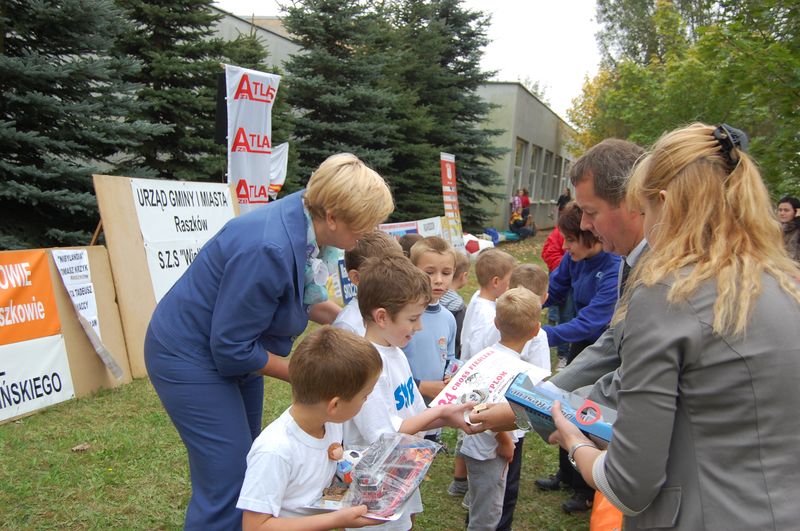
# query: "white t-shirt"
{"points": [[287, 468], [394, 399], [537, 351], [350, 318], [483, 446], [478, 330]]}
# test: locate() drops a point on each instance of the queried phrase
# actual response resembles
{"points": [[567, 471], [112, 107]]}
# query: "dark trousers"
{"points": [[512, 488], [217, 418]]}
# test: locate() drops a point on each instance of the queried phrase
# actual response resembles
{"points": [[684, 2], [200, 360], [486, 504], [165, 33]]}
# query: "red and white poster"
{"points": [[34, 370], [255, 165], [452, 214]]}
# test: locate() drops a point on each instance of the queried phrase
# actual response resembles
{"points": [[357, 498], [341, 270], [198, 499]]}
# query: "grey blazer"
{"points": [[708, 430]]}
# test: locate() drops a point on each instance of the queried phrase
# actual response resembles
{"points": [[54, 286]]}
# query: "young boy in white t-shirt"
{"points": [[332, 373], [493, 268], [373, 244], [488, 455], [392, 296]]}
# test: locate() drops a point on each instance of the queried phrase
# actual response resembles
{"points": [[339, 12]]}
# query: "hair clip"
{"points": [[730, 137]]}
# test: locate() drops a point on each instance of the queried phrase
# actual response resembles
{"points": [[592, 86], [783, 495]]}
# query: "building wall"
{"points": [[278, 45], [537, 159]]}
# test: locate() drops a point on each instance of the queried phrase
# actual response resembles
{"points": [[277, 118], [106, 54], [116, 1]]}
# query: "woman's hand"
{"points": [[495, 417], [567, 434]]}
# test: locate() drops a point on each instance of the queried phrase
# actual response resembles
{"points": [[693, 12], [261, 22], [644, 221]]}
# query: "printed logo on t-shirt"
{"points": [[442, 344], [404, 394]]}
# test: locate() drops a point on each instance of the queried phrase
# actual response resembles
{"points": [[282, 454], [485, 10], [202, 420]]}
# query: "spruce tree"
{"points": [[64, 114], [447, 41], [334, 91], [181, 59]]}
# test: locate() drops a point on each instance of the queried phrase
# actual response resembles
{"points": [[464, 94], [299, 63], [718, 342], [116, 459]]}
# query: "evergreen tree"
{"points": [[338, 104], [447, 40], [181, 59], [64, 114]]}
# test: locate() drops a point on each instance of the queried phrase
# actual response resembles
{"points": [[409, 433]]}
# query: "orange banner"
{"points": [[27, 302]]}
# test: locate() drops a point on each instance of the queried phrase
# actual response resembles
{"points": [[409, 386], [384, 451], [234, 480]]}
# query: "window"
{"points": [[519, 161], [544, 189], [534, 172], [556, 178]]}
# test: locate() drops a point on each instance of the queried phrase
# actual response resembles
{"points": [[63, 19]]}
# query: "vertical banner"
{"points": [[250, 95], [34, 370], [176, 219], [452, 213]]}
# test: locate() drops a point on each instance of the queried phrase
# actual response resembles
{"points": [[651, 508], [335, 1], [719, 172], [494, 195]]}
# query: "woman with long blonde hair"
{"points": [[707, 430]]}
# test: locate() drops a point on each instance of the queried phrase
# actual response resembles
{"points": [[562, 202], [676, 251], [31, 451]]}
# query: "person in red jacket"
{"points": [[552, 252]]}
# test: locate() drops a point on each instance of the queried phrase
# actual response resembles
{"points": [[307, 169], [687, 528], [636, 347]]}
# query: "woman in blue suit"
{"points": [[244, 298]]}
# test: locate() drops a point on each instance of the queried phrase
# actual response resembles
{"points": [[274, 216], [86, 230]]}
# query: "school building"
{"points": [[536, 138]]}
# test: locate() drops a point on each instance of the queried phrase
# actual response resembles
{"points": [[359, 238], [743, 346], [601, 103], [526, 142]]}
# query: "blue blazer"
{"points": [[243, 294]]}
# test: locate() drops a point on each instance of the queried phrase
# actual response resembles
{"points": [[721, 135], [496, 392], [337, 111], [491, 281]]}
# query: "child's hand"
{"points": [[354, 517], [505, 448], [430, 388]]}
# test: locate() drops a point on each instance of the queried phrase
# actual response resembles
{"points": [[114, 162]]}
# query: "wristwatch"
{"points": [[571, 454]]}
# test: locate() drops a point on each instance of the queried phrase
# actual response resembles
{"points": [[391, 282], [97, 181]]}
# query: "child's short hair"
{"points": [[390, 282], [518, 312], [492, 263], [530, 276], [375, 243], [569, 224], [332, 362], [408, 240], [347, 188], [432, 244], [462, 264]]}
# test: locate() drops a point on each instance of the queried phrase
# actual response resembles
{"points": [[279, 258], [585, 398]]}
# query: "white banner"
{"points": [[250, 95], [452, 214], [34, 374], [176, 220], [424, 227], [264, 187]]}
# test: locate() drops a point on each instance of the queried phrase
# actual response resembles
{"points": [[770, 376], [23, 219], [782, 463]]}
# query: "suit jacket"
{"points": [[707, 427], [242, 295]]}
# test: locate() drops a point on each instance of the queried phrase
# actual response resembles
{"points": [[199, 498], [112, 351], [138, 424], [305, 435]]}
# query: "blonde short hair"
{"points": [[391, 283], [530, 276], [375, 243], [348, 189], [432, 244], [518, 313], [332, 362], [462, 264], [492, 263]]}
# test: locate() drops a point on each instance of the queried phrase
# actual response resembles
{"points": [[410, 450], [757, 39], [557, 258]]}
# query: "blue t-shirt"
{"points": [[594, 287], [434, 347]]}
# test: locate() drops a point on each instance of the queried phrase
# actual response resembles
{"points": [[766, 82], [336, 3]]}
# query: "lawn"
{"points": [[133, 471]]}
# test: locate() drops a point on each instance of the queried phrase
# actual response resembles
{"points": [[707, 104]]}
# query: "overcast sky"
{"points": [[545, 40]]}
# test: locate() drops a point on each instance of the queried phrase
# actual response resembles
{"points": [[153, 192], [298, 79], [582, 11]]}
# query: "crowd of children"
{"points": [[391, 350]]}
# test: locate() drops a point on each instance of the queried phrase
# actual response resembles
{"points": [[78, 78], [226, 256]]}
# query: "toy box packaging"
{"points": [[535, 401]]}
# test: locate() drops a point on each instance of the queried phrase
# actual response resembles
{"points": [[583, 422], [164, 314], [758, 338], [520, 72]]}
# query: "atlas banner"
{"points": [[424, 227], [452, 213], [176, 219], [34, 370], [253, 166]]}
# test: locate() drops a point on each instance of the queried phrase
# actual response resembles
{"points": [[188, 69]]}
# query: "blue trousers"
{"points": [[217, 418]]}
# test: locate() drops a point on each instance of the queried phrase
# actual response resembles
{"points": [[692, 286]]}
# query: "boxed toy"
{"points": [[535, 401]]}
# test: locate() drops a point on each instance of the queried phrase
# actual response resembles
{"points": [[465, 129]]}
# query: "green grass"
{"points": [[135, 474]]}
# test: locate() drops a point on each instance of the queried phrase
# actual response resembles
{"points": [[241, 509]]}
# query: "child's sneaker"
{"points": [[458, 487], [466, 502]]}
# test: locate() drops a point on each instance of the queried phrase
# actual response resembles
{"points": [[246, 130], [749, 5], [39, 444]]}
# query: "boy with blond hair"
{"points": [[493, 268], [431, 352], [392, 296], [373, 244], [534, 278], [332, 373], [488, 455]]}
